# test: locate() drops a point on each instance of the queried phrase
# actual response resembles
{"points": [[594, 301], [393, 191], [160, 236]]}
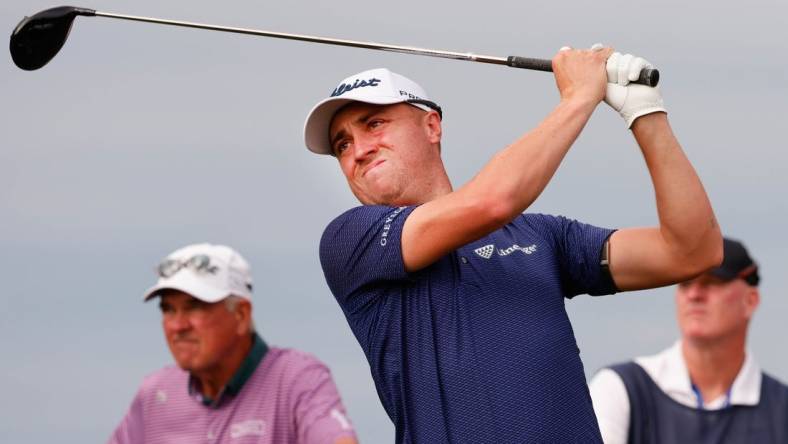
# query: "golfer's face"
{"points": [[708, 308], [198, 334], [379, 149]]}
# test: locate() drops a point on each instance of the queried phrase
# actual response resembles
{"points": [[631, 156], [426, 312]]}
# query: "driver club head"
{"points": [[37, 39]]}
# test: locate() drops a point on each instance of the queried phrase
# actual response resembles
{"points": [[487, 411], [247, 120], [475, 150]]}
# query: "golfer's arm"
{"points": [[503, 189], [687, 240]]}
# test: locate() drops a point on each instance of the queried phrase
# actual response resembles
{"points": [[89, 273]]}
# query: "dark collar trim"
{"points": [[248, 366]]}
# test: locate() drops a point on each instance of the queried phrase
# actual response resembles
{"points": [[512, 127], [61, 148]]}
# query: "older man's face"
{"points": [[199, 334], [708, 308]]}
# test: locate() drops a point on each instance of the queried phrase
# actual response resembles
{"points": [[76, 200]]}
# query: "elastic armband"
{"points": [[604, 264]]}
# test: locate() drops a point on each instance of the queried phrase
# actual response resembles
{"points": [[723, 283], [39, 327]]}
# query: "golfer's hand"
{"points": [[630, 100], [580, 74]]}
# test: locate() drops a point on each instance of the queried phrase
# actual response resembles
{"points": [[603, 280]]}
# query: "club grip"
{"points": [[529, 63], [648, 76]]}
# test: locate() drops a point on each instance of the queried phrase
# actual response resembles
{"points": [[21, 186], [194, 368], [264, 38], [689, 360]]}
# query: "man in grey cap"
{"points": [[706, 387], [228, 384]]}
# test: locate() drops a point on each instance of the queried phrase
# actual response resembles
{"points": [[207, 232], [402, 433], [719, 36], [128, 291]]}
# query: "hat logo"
{"points": [[409, 95], [345, 87]]}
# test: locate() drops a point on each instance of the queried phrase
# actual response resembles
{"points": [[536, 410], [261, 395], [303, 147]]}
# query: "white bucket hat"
{"points": [[377, 86], [207, 272]]}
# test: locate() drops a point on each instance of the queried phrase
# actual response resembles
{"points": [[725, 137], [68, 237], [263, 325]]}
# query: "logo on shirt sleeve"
{"points": [[341, 419], [387, 226]]}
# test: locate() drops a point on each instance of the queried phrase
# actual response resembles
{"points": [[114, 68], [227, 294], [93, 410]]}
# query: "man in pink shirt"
{"points": [[228, 386]]}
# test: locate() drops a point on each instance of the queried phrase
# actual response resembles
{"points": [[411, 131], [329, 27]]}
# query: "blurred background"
{"points": [[138, 139]]}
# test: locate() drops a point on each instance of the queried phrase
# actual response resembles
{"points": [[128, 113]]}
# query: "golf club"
{"points": [[37, 39]]}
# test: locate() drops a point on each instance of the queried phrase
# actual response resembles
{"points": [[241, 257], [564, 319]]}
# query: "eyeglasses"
{"points": [[200, 264]]}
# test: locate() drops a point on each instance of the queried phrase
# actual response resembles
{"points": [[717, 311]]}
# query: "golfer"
{"points": [[229, 386], [455, 296]]}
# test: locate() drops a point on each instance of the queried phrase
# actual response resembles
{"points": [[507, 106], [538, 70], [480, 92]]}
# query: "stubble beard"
{"points": [[390, 193]]}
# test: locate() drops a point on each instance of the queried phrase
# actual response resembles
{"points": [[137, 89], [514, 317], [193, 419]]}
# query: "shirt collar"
{"points": [[746, 388], [239, 378], [669, 371]]}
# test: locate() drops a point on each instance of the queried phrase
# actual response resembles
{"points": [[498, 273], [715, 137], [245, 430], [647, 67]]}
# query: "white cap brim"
{"points": [[377, 86], [193, 287], [318, 122]]}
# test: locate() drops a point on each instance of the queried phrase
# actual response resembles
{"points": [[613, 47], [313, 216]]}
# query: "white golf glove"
{"points": [[630, 100]]}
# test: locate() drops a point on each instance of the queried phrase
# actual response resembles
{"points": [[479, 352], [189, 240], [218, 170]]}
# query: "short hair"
{"points": [[231, 302]]}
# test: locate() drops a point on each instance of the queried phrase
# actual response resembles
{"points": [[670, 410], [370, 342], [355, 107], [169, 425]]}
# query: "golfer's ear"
{"points": [[752, 301], [243, 314], [433, 126]]}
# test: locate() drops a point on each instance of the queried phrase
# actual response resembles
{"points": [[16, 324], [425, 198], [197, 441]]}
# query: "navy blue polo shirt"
{"points": [[477, 347]]}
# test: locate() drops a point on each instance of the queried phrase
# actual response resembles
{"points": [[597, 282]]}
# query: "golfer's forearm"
{"points": [[516, 176], [686, 220]]}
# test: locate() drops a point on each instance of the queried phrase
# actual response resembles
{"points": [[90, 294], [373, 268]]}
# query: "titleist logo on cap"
{"points": [[345, 87]]}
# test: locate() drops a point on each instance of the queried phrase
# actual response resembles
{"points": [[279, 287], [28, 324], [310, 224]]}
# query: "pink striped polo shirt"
{"points": [[289, 398]]}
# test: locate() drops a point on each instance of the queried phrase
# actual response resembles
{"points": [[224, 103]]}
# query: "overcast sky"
{"points": [[138, 139]]}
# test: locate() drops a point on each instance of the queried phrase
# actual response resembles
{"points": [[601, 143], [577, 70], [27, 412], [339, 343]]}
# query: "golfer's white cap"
{"points": [[377, 86], [207, 272]]}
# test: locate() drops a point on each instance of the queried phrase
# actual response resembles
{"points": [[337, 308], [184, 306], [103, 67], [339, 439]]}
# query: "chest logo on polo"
{"points": [[250, 427], [526, 250], [487, 251]]}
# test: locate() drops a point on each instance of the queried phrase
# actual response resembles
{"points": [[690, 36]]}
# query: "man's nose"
{"points": [[177, 321], [363, 146], [695, 291]]}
